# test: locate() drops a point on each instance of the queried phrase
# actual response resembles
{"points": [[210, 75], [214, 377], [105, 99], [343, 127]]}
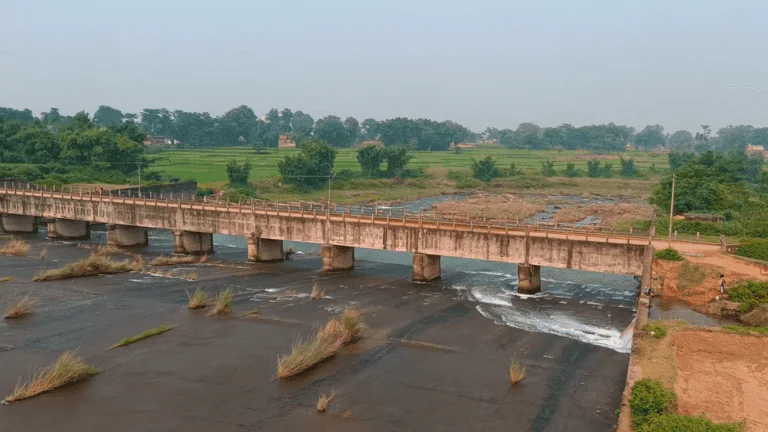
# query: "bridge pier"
{"points": [[337, 258], [264, 250], [18, 224], [189, 242], [127, 235], [67, 229], [528, 278], [426, 267]]}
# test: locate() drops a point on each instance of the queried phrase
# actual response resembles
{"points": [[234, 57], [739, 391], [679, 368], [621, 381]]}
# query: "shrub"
{"points": [[593, 168], [628, 169], [606, 170], [649, 399], [310, 169], [754, 248], [512, 171], [223, 302], [91, 266], [485, 169], [238, 172], [678, 423], [370, 158], [669, 254], [571, 171], [655, 330], [758, 317], [548, 168], [750, 294]]}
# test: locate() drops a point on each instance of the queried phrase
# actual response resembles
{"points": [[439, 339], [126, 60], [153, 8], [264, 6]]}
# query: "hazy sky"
{"points": [[479, 62]]}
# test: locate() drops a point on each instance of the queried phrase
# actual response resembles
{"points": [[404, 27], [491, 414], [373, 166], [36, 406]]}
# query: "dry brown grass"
{"points": [[204, 258], [15, 247], [223, 303], [758, 317], [107, 250], [91, 266], [191, 277], [43, 253], [6, 279], [306, 353], [322, 403], [609, 214], [198, 299], [506, 206], [516, 371], [173, 260], [20, 309], [317, 293], [67, 369]]}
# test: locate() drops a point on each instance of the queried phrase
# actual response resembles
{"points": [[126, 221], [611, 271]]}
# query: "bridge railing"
{"points": [[362, 213]]}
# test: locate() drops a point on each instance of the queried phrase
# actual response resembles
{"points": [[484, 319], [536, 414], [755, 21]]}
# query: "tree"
{"points": [[156, 122], [238, 173], [286, 117], [530, 136], [237, 122], [734, 137], [107, 116], [370, 158], [23, 116], [628, 169], [352, 130], [682, 140], [760, 137], [37, 145], [397, 158], [485, 169], [553, 137], [651, 137], [331, 130], [302, 124], [311, 168], [51, 117], [593, 168], [370, 129], [398, 131], [678, 159]]}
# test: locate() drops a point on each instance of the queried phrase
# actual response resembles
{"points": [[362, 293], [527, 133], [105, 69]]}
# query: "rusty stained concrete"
{"points": [[554, 251]]}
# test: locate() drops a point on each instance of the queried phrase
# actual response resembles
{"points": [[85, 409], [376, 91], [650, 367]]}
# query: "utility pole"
{"points": [[671, 212], [139, 165]]}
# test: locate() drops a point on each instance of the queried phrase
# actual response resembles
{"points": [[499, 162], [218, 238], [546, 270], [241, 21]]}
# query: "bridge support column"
{"points": [[264, 250], [337, 258], [426, 268], [127, 235], [66, 229], [188, 242], [18, 224], [528, 278]]}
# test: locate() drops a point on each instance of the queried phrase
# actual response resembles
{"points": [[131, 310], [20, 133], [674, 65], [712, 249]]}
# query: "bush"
{"points": [[669, 254], [512, 171], [757, 317], [754, 248], [678, 423], [628, 169], [571, 171], [238, 172], [593, 168], [606, 170], [750, 295], [370, 158], [548, 168], [310, 169], [649, 399], [485, 169], [658, 330]]}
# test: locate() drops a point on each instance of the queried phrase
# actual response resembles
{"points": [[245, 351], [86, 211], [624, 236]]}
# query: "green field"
{"points": [[207, 166]]}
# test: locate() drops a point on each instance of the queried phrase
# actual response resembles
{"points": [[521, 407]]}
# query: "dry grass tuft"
{"points": [[516, 371], [223, 303], [337, 332], [67, 369], [146, 334], [43, 253], [173, 260], [322, 403], [198, 299], [107, 250], [6, 279], [191, 277], [20, 309], [15, 247], [204, 258], [758, 317], [91, 266], [317, 292], [348, 414]]}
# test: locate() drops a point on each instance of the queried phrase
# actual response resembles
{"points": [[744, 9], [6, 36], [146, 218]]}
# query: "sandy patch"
{"points": [[724, 376], [609, 214], [504, 206]]}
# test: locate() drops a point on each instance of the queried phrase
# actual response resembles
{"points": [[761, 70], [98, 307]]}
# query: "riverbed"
{"points": [[217, 373]]}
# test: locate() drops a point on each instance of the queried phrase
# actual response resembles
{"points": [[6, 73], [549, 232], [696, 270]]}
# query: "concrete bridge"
{"points": [[267, 224]]}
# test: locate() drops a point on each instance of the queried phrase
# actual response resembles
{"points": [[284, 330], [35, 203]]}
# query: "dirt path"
{"points": [[724, 376]]}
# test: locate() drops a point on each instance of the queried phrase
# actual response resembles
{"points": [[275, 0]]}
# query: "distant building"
{"points": [[160, 140], [286, 141], [756, 150], [454, 146]]}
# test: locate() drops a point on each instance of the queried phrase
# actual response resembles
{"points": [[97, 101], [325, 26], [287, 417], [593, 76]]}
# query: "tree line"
{"points": [[241, 126]]}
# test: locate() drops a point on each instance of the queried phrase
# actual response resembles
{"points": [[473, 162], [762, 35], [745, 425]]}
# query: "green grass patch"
{"points": [[655, 330], [146, 334], [669, 254], [746, 330]]}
